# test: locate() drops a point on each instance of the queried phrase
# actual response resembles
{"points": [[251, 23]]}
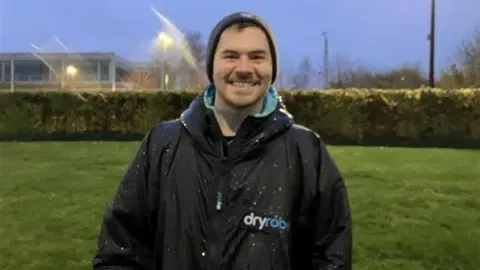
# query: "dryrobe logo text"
{"points": [[266, 223]]}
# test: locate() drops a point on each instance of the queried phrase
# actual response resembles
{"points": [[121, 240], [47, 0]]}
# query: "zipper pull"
{"points": [[219, 200]]}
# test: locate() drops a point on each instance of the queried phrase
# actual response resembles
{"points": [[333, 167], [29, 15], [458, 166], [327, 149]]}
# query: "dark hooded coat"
{"points": [[271, 199]]}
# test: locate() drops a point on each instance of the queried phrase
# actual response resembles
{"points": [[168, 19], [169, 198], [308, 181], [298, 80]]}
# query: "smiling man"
{"points": [[233, 183]]}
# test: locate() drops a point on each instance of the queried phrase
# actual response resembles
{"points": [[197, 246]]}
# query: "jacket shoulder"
{"points": [[163, 132], [303, 135], [159, 138], [309, 144]]}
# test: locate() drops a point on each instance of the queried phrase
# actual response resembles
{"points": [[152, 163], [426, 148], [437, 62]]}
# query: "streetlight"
{"points": [[325, 59], [71, 72], [164, 40], [431, 38]]}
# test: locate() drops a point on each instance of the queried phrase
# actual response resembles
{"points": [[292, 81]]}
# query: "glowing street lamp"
{"points": [[164, 41], [71, 70]]}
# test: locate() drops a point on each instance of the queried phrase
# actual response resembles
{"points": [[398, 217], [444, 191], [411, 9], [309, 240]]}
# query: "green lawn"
{"points": [[412, 208]]}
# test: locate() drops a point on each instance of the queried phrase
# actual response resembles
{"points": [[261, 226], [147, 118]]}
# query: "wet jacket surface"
{"points": [[271, 199]]}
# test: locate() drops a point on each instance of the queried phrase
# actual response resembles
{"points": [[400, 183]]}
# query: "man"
{"points": [[233, 183]]}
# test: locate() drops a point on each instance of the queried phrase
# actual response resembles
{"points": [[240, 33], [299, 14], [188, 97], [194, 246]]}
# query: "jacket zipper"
{"points": [[220, 197], [219, 200]]}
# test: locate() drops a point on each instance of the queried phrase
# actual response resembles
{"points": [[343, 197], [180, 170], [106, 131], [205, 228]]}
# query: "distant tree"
{"points": [[301, 80], [470, 60], [346, 74], [452, 78], [465, 71], [407, 77], [191, 67]]}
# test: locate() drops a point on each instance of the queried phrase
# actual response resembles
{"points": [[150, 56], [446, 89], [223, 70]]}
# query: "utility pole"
{"points": [[325, 59], [431, 38]]}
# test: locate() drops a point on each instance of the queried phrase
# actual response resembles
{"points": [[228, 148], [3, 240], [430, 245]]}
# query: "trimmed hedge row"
{"points": [[424, 117]]}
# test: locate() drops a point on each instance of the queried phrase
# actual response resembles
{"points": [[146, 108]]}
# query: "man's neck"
{"points": [[230, 119]]}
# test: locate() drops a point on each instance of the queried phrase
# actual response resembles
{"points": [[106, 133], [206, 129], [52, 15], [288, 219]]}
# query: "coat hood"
{"points": [[199, 120]]}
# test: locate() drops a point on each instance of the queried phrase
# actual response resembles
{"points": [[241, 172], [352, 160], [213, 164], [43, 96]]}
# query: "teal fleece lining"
{"points": [[269, 102]]}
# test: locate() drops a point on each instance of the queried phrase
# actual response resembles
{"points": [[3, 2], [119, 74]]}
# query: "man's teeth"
{"points": [[242, 84]]}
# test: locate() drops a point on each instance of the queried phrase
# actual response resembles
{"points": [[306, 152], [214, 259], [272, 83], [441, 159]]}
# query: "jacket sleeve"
{"points": [[332, 232], [125, 241]]}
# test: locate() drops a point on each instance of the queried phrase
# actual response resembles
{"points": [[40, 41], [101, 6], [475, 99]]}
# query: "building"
{"points": [[62, 70]]}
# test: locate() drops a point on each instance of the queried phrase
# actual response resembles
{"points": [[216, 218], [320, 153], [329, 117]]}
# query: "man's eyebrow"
{"points": [[259, 51], [228, 51]]}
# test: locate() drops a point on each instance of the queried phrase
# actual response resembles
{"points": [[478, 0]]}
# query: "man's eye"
{"points": [[258, 57]]}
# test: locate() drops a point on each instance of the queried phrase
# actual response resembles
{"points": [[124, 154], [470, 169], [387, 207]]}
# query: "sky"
{"points": [[376, 33]]}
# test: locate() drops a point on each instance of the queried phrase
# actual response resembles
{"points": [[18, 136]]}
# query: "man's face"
{"points": [[242, 67]]}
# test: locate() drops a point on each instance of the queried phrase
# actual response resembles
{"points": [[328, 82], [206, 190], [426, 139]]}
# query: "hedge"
{"points": [[423, 117]]}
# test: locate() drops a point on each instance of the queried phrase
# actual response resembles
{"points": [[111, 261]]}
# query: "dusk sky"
{"points": [[379, 33]]}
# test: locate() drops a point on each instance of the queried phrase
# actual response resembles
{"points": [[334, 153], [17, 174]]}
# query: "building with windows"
{"points": [[62, 70]]}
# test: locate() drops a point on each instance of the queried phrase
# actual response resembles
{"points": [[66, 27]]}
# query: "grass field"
{"points": [[412, 208]]}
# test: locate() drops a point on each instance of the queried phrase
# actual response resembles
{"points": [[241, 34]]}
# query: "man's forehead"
{"points": [[247, 39]]}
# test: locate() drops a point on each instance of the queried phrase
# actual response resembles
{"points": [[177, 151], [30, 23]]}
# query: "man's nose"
{"points": [[244, 65]]}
